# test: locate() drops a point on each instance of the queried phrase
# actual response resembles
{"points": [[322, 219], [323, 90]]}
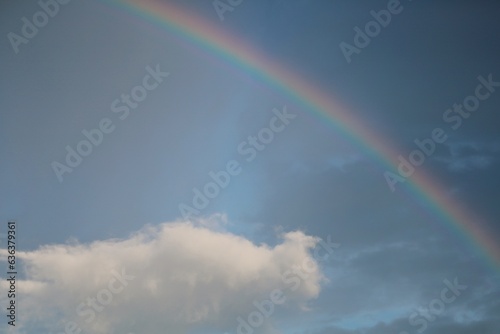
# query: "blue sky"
{"points": [[118, 209]]}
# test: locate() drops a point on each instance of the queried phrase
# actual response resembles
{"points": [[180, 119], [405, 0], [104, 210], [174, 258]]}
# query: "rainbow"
{"points": [[195, 30]]}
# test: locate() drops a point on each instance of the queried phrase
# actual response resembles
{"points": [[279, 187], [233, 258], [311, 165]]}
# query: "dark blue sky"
{"points": [[395, 255]]}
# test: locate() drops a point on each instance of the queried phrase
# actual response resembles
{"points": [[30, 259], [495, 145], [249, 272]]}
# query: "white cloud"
{"points": [[185, 277]]}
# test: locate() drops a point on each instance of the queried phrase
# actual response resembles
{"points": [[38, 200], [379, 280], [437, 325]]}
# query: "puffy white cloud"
{"points": [[167, 278]]}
